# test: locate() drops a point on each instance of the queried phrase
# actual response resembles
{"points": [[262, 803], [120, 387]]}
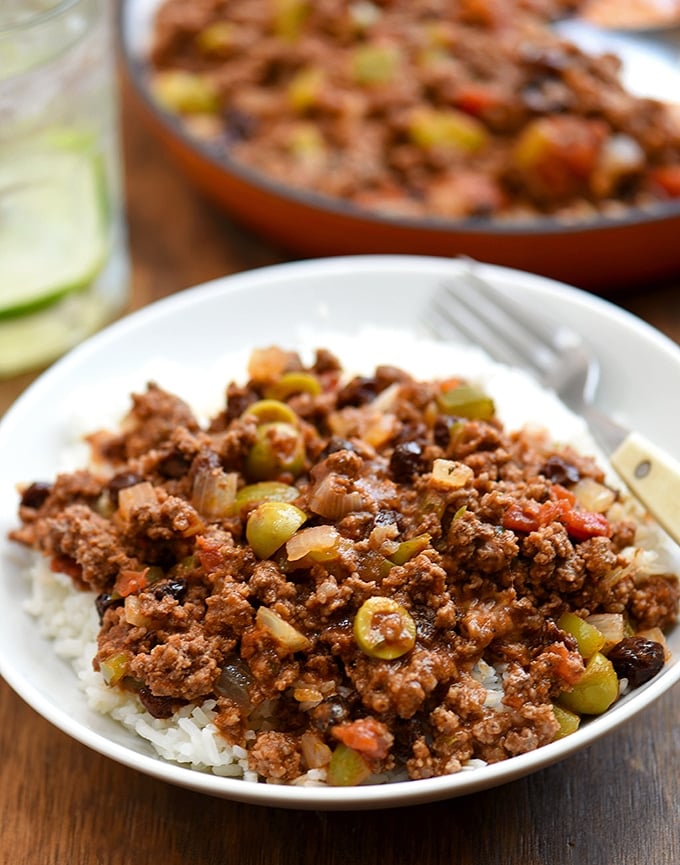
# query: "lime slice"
{"points": [[53, 225]]}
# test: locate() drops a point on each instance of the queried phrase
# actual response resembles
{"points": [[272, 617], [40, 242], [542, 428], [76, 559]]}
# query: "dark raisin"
{"points": [[336, 444], [333, 710], [120, 482], [158, 707], [406, 462], [238, 125], [357, 392], [34, 495], [441, 430], [559, 471], [637, 659], [105, 600], [173, 466], [176, 589]]}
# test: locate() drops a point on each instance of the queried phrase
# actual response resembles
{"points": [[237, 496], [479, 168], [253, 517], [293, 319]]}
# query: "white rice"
{"points": [[68, 617]]}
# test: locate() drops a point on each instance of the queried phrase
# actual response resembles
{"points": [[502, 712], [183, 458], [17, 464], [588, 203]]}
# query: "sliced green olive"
{"points": [[347, 767], [430, 127], [278, 449], [294, 382], [569, 721], [270, 410], [115, 667], [270, 525], [588, 638], [375, 64], [467, 401], [595, 691], [265, 491], [185, 92], [289, 17], [303, 93], [306, 141], [384, 629], [216, 38], [408, 549]]}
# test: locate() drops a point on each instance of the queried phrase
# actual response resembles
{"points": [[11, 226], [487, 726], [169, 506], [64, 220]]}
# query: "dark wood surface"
{"points": [[617, 803]]}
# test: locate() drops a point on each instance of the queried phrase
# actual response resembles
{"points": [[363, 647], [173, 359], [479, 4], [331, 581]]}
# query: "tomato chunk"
{"points": [[367, 735], [582, 525]]}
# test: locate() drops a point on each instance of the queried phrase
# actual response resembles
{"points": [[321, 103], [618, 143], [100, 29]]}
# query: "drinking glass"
{"points": [[63, 258]]}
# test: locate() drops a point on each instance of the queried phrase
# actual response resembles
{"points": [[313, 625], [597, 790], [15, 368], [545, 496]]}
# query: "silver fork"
{"points": [[469, 306]]}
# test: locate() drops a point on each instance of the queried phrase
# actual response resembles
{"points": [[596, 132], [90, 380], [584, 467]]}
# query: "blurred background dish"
{"points": [[616, 247]]}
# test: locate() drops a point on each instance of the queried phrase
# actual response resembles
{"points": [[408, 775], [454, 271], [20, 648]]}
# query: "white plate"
{"points": [[640, 372]]}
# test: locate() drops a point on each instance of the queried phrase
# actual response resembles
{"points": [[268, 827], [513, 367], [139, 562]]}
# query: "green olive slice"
{"points": [[271, 410], [270, 525], [293, 382], [466, 401], [278, 449], [384, 629]]}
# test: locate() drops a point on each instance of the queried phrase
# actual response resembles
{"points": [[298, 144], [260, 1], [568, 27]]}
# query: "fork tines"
{"points": [[486, 315]]}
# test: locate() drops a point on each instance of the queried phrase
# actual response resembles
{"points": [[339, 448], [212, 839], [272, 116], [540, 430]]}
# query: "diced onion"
{"points": [[453, 474], [611, 626], [330, 500], [267, 364], [387, 398], [307, 695], [656, 635], [214, 492], [315, 752], [315, 539], [133, 498], [283, 632], [133, 612], [379, 429], [593, 496]]}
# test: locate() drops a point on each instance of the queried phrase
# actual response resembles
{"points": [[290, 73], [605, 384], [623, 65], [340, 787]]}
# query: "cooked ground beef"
{"points": [[366, 575], [416, 107]]}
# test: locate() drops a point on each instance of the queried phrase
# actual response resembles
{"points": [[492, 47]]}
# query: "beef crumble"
{"points": [[366, 575]]}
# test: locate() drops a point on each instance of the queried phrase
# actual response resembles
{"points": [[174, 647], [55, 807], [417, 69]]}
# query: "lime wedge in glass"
{"points": [[53, 223]]}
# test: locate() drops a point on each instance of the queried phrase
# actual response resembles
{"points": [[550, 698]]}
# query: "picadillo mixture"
{"points": [[346, 579]]}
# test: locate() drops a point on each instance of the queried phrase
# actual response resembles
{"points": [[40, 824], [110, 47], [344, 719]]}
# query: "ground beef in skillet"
{"points": [[446, 109]]}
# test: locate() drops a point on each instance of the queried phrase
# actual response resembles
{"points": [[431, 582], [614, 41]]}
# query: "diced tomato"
{"points": [[521, 518], [131, 582], [209, 553], [567, 665], [582, 525], [367, 735], [668, 178], [562, 493], [530, 516], [476, 99]]}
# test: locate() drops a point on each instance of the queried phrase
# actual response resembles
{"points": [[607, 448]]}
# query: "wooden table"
{"points": [[617, 803]]}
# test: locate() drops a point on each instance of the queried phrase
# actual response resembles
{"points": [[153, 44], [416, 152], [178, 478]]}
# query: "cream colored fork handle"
{"points": [[654, 477]]}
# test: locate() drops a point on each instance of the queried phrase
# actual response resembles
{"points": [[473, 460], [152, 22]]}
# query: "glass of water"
{"points": [[63, 257]]}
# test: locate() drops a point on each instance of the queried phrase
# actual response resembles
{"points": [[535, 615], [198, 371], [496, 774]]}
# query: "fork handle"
{"points": [[654, 477]]}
